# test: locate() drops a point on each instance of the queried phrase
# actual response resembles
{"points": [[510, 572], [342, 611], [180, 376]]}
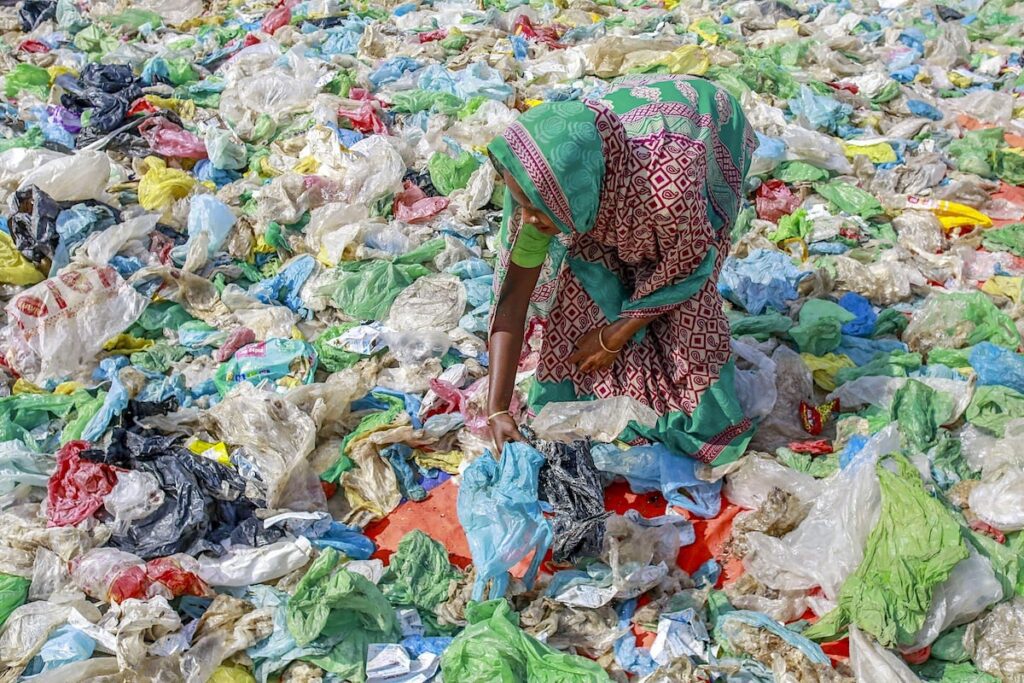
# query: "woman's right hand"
{"points": [[503, 430]]}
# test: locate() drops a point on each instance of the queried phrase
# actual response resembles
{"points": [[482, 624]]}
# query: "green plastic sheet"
{"points": [[850, 198], [795, 225], [820, 327], [759, 326], [934, 671], [913, 548], [419, 572], [341, 607], [1008, 238], [493, 649], [13, 594], [920, 411], [993, 406], [800, 172], [448, 174], [332, 357], [27, 78]]}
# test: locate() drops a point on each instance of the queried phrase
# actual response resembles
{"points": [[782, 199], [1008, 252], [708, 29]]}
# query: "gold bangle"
{"points": [[494, 415], [600, 340]]}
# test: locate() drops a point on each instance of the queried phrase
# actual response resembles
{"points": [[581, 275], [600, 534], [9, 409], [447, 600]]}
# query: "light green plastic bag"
{"points": [[821, 326], [419, 572], [493, 649], [850, 198], [448, 174], [13, 594]]}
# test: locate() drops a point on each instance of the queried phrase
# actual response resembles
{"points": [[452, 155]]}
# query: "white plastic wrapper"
{"points": [[999, 498], [373, 169], [600, 420], [241, 567], [72, 178], [135, 495], [59, 325]]}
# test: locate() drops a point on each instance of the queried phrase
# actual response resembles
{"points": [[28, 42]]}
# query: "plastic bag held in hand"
{"points": [[502, 518]]}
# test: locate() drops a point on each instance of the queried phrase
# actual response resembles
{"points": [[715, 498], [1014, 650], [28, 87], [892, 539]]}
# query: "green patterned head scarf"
{"points": [[554, 153]]}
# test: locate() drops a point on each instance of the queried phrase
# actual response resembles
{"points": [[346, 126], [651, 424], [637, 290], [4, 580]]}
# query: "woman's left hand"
{"points": [[589, 355]]}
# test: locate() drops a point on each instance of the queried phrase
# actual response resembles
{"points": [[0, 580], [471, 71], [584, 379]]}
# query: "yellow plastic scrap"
{"points": [[878, 152], [951, 214], [788, 23], [1004, 285], [697, 26], [446, 462], [161, 186], [825, 368], [688, 59], [55, 71], [23, 386], [533, 103], [216, 451], [186, 109], [960, 80], [125, 343], [230, 674], [306, 166], [68, 388], [15, 269]]}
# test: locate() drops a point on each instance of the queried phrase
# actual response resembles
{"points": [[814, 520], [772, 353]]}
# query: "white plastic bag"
{"points": [[601, 420], [135, 495], [999, 498], [749, 485], [433, 302], [72, 178], [755, 387], [61, 324], [245, 566], [971, 588], [872, 663], [829, 544]]}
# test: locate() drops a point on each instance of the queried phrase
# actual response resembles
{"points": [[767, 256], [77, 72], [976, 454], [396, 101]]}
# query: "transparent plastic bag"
{"points": [[755, 387], [62, 323], [434, 302], [72, 178], [749, 485], [836, 528], [872, 663], [997, 498], [135, 495], [601, 420]]}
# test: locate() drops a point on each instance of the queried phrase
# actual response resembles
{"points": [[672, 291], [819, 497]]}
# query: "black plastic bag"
{"points": [[571, 483], [35, 12]]}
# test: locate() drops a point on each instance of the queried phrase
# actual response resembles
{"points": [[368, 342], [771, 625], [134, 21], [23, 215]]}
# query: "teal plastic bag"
{"points": [[286, 362]]}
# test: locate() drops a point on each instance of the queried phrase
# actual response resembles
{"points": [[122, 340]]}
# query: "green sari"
{"points": [[644, 184]]}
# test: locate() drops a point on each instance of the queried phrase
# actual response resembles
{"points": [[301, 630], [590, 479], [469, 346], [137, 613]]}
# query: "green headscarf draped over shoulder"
{"points": [[554, 152]]}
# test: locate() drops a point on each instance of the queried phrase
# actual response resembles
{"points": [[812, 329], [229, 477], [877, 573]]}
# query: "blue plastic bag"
{"points": [[996, 365], [115, 401], [210, 215], [762, 279], [285, 286], [864, 324], [64, 646], [502, 518]]}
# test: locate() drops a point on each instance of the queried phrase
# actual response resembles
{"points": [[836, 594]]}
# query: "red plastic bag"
{"points": [[276, 18], [77, 487], [413, 206], [430, 36], [171, 140], [545, 34], [819, 447], [774, 200], [364, 119]]}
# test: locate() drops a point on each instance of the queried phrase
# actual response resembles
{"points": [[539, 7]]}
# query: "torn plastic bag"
{"points": [[281, 363], [836, 527], [278, 438], [750, 484], [744, 632], [959, 319], [13, 593], [600, 420], [77, 487], [134, 496], [996, 498], [656, 468], [170, 140], [501, 516], [229, 625], [762, 279], [994, 641], [570, 482], [756, 384], [793, 385], [65, 645], [419, 573], [242, 566], [434, 302], [972, 587], [63, 322]]}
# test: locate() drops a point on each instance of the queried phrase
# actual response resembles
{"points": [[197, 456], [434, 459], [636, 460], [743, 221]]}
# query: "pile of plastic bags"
{"points": [[246, 262]]}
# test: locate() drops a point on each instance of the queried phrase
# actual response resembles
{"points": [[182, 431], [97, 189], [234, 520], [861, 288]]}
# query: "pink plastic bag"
{"points": [[77, 487], [364, 119], [413, 206], [774, 200], [236, 340], [171, 140]]}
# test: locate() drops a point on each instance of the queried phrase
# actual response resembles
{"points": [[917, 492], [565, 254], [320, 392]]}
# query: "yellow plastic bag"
{"points": [[1004, 285], [161, 186], [230, 674], [125, 343], [878, 152], [825, 368], [15, 269], [950, 214], [688, 59], [216, 451]]}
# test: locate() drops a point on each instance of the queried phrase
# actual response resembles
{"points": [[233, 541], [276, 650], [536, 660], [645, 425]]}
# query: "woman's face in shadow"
{"points": [[531, 214]]}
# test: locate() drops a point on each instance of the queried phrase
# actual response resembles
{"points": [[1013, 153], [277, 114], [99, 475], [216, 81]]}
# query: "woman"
{"points": [[617, 219]]}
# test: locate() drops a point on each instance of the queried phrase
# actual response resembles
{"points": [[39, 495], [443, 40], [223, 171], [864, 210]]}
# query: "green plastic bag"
{"points": [[912, 549], [993, 406], [895, 364], [818, 467], [334, 605], [1009, 167], [759, 326], [366, 289], [448, 174], [371, 423], [951, 358], [959, 319], [27, 78], [890, 323], [934, 671], [975, 152], [13, 594], [230, 674], [419, 573], [1007, 238], [1007, 559], [799, 172], [412, 101], [821, 326], [949, 647], [493, 649], [333, 358], [850, 199], [920, 410], [795, 224]]}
